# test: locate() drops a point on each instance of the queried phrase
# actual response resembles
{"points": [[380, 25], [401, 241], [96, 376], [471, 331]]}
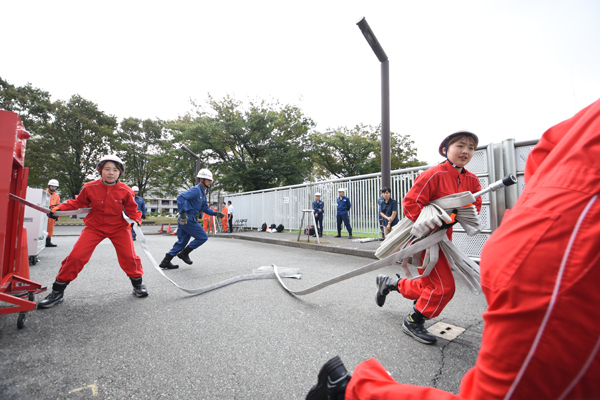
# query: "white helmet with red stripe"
{"points": [[205, 174]]}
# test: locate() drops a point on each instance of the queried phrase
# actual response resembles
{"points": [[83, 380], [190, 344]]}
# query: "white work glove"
{"points": [[431, 217]]}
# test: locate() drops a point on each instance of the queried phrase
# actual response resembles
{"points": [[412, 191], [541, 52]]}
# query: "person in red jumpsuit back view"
{"points": [[540, 272], [433, 292], [108, 199]]}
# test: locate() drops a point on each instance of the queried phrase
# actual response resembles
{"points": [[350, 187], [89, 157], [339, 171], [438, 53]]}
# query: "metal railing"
{"points": [[283, 205]]}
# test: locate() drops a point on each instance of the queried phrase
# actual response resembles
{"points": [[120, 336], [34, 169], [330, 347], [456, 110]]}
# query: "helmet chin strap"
{"points": [[446, 155]]}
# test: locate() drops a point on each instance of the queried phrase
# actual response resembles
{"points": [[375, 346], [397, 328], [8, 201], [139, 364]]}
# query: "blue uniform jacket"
{"points": [[141, 204], [343, 205], [319, 205], [193, 201]]}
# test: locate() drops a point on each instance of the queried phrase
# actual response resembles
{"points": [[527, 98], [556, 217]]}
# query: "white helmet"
{"points": [[53, 182], [342, 190], [317, 194], [135, 189], [112, 158], [204, 174]]}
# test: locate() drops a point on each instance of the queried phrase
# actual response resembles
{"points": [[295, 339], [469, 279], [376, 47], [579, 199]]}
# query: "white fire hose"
{"points": [[267, 272]]}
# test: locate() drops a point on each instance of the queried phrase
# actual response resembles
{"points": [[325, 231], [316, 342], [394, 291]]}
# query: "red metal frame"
{"points": [[14, 277]]}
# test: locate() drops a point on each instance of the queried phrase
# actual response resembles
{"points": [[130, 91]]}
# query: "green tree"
{"points": [[79, 136], [33, 105], [139, 144], [262, 146], [347, 152]]}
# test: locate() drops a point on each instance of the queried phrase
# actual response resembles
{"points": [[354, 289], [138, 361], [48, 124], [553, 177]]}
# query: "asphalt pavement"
{"points": [[248, 340]]}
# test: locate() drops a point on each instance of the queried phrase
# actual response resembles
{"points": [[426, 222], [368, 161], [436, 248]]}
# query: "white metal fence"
{"points": [[284, 205]]}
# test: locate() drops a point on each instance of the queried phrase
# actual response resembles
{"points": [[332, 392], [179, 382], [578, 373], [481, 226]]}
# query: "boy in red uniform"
{"points": [[539, 272], [108, 198], [433, 292]]}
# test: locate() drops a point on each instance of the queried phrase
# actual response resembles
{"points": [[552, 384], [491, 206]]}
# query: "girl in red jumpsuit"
{"points": [[539, 272], [433, 292], [108, 198]]}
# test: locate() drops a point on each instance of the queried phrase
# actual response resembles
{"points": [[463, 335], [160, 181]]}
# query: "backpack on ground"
{"points": [[280, 228], [263, 228]]}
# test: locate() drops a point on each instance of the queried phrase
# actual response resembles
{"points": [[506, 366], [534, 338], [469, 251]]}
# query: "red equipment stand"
{"points": [[15, 286]]}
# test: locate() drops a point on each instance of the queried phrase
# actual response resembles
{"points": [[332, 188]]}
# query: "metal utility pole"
{"points": [[197, 157], [386, 155]]}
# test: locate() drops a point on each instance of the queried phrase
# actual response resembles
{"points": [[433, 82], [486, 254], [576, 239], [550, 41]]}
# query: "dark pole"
{"points": [[197, 157], [386, 159]]}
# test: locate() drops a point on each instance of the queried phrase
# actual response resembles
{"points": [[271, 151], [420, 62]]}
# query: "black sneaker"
{"points": [[350, 237], [53, 298], [140, 291], [338, 236], [332, 382], [416, 329]]}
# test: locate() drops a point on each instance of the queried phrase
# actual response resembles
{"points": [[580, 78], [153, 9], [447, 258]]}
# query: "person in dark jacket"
{"points": [[318, 205], [190, 204], [343, 207]]}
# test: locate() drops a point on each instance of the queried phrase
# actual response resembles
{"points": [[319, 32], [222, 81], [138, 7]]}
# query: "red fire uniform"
{"points": [[436, 290], [104, 221], [540, 272]]}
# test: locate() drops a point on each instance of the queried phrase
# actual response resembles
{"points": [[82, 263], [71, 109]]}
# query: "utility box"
{"points": [[36, 223]]}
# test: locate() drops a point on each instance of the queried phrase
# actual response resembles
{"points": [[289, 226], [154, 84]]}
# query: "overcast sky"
{"points": [[503, 69]]}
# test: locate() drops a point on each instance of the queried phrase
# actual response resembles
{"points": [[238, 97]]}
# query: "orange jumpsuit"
{"points": [[436, 290], [539, 272], [104, 221], [206, 220], [54, 201], [224, 220]]}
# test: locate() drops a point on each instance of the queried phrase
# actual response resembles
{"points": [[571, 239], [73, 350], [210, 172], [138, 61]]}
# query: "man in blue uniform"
{"points": [[141, 206], [318, 207], [190, 204], [343, 207]]}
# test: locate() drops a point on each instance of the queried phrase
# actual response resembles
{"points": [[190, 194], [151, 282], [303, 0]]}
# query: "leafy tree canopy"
{"points": [[347, 152], [249, 148]]}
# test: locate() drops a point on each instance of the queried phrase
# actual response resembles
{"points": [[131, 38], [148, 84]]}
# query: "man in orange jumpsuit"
{"points": [[54, 201], [224, 220], [208, 222], [539, 272]]}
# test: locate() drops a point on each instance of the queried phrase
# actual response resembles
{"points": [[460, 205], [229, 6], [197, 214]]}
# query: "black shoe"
{"points": [[134, 239], [185, 255], [414, 326], [140, 290], [49, 243], [350, 237], [53, 298], [166, 262], [384, 285], [338, 236], [332, 381]]}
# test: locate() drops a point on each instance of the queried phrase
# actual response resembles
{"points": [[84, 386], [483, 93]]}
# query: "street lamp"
{"points": [[386, 161], [197, 157]]}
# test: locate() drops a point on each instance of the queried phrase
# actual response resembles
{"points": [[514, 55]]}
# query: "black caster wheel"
{"points": [[21, 320], [33, 260]]}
